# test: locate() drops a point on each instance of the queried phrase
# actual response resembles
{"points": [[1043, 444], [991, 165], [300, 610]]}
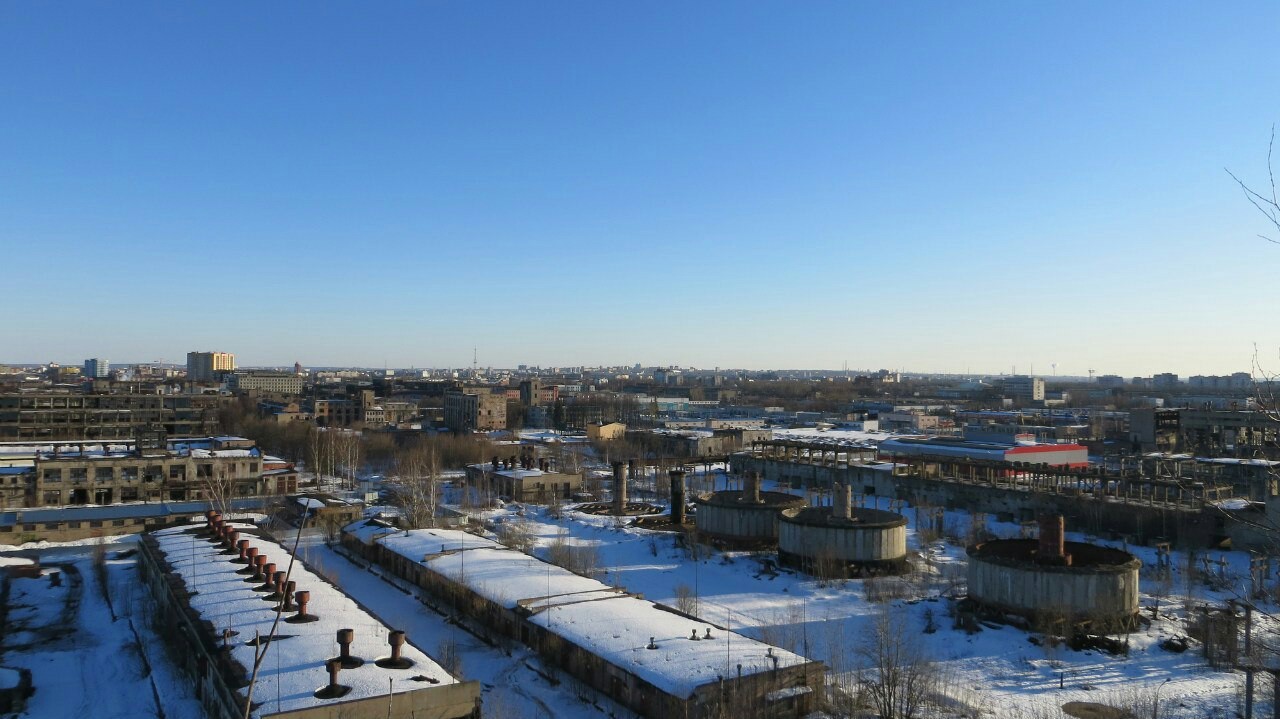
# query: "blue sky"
{"points": [[930, 186]]}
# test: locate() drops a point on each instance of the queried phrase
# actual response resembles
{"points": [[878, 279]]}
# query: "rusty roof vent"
{"points": [[395, 661], [334, 689]]}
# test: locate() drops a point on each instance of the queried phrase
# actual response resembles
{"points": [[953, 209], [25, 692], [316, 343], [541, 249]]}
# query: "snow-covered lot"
{"points": [[87, 655]]}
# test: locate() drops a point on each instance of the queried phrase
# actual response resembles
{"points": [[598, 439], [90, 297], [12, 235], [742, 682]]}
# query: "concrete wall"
{"points": [[1107, 597], [851, 544], [759, 522]]}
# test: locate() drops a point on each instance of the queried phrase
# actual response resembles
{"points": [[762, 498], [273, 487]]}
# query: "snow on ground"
{"points": [[996, 671], [88, 657]]}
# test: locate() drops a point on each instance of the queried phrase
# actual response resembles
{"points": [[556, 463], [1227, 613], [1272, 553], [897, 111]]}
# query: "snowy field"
{"points": [[997, 672], [88, 657]]}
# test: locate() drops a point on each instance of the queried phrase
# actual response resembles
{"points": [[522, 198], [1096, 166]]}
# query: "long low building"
{"points": [[65, 524], [1072, 455], [646, 656], [213, 616]]}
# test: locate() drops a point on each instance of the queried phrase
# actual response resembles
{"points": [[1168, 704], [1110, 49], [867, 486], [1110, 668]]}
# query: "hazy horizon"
{"points": [[930, 186]]}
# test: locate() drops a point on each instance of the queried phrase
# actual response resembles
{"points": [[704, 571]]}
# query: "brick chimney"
{"points": [[1052, 549]]}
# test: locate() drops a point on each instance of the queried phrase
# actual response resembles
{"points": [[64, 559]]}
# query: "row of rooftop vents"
{"points": [[278, 588], [525, 461]]}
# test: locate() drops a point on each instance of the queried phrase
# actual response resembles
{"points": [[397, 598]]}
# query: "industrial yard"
{"points": [[746, 592]]}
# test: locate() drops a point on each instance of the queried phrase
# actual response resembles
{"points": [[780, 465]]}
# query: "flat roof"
{"points": [[295, 665], [586, 612]]}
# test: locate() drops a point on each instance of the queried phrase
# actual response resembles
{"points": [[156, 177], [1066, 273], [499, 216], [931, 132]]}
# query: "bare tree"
{"points": [[218, 487], [1267, 201], [897, 676], [417, 492]]}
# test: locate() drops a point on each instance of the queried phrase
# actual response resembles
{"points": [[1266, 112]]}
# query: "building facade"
{"points": [[472, 410], [95, 367], [214, 468], [260, 381], [51, 416], [209, 366]]}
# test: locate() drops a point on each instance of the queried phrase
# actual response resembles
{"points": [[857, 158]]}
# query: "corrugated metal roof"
{"points": [[121, 511]]}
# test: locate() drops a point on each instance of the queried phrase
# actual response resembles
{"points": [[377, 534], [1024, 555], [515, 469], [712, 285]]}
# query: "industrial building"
{"points": [[475, 409], [66, 524], [149, 469], [650, 658], [522, 480], [44, 416], [218, 591], [1071, 455]]}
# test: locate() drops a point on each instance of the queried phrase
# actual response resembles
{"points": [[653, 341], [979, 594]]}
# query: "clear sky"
{"points": [[931, 186]]}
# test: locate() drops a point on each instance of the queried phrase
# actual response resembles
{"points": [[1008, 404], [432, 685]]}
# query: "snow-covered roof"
{"points": [[223, 598], [586, 612]]}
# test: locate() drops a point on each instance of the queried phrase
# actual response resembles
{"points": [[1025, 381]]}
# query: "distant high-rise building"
{"points": [[209, 366], [1027, 389], [95, 367]]}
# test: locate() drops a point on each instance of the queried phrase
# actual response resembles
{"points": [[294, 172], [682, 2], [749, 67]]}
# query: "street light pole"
{"points": [[1155, 706]]}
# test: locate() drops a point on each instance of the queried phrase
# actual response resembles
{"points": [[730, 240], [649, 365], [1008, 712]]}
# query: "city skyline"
{"points": [[931, 187]]}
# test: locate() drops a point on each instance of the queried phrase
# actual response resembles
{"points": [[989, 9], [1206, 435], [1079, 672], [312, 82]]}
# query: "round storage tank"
{"points": [[1078, 582], [821, 541], [736, 517]]}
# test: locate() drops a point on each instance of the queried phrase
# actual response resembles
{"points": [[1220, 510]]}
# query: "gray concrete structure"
{"points": [[1074, 582], [748, 517], [841, 540]]}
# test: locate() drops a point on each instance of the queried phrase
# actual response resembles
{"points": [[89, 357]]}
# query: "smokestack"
{"points": [[230, 538], [395, 661], [843, 506], [1053, 541], [289, 588], [243, 546], [677, 496], [619, 488], [752, 488]]}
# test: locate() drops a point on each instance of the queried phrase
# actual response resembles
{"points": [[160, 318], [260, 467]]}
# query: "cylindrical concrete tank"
{"points": [[731, 517], [1099, 585], [821, 541]]}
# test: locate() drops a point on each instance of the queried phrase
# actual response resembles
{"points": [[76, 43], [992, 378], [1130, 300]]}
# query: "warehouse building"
{"points": [[648, 657], [217, 592]]}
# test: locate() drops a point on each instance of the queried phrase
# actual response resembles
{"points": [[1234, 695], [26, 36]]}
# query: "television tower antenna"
{"points": [[475, 354]]}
